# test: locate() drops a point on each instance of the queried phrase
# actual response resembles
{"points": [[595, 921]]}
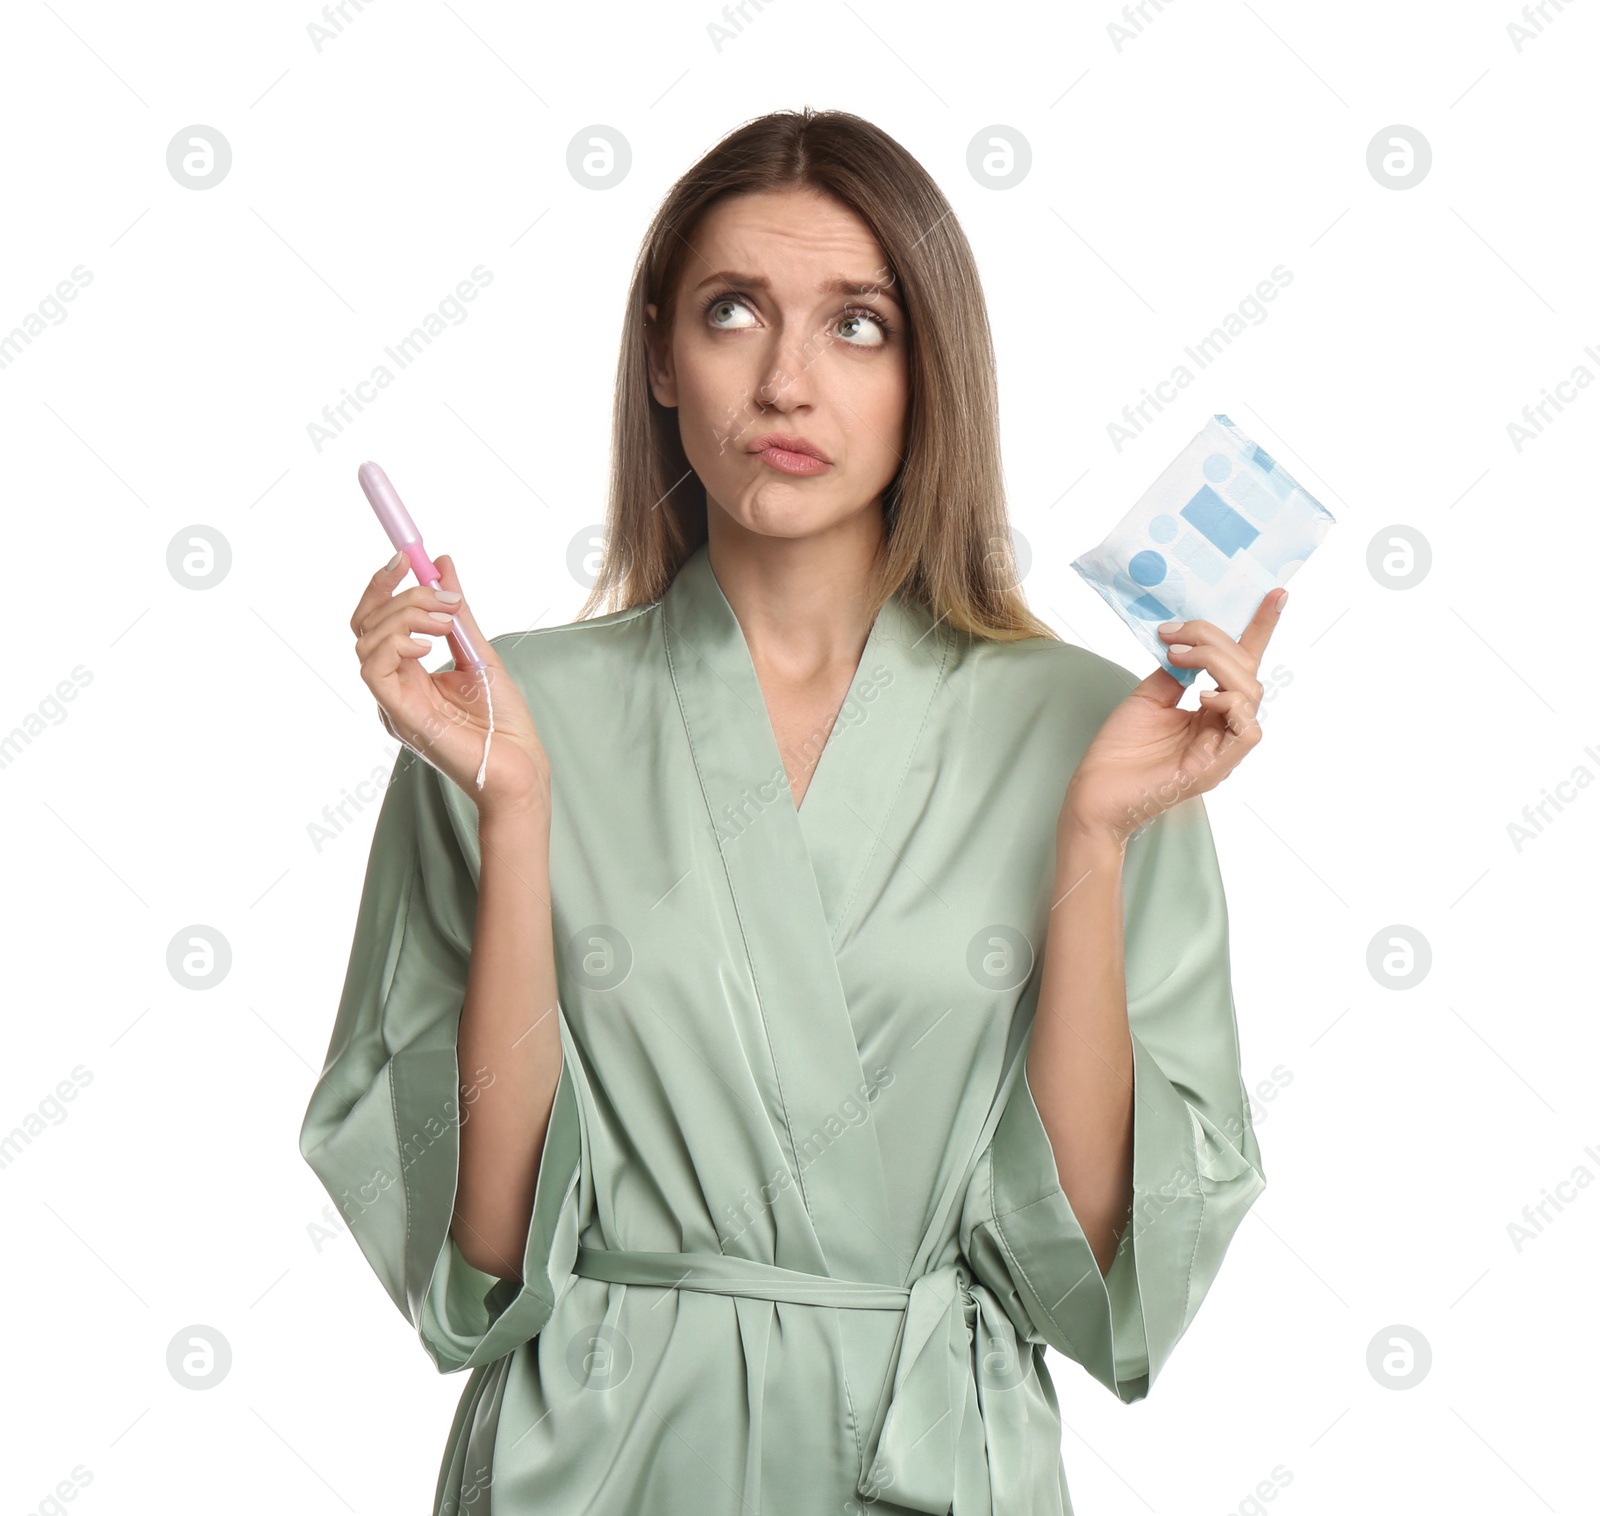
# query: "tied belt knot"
{"points": [[927, 1437]]}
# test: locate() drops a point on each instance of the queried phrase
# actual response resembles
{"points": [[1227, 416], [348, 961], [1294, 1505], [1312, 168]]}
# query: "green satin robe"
{"points": [[798, 1242]]}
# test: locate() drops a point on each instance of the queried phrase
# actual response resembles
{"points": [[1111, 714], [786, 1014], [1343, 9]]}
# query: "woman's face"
{"points": [[765, 340]]}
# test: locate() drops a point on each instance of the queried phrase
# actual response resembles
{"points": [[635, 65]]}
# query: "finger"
{"points": [[1254, 638], [381, 666], [379, 589], [381, 654], [448, 580], [1235, 708], [418, 612], [1225, 661], [377, 614], [1160, 688], [1195, 633]]}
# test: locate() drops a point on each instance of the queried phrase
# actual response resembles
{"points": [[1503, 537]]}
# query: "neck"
{"points": [[802, 602]]}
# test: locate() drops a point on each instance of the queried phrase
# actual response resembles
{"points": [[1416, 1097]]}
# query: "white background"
{"points": [[1169, 176]]}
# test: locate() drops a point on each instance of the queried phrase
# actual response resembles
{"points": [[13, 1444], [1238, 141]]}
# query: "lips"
{"points": [[788, 444]]}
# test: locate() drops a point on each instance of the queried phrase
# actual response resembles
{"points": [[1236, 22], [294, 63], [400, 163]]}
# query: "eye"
{"points": [[858, 325], [718, 304], [860, 320]]}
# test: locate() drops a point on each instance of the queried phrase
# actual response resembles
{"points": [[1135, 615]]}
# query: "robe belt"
{"points": [[929, 1430]]}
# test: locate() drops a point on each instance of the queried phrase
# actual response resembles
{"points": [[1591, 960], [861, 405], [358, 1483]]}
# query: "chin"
{"points": [[784, 511], [780, 522]]}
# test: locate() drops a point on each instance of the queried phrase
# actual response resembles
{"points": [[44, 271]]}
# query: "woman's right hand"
{"points": [[445, 716]]}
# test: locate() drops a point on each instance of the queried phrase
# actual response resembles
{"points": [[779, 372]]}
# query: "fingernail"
{"points": [[394, 563], [1284, 601], [1167, 628], [1179, 647], [451, 595]]}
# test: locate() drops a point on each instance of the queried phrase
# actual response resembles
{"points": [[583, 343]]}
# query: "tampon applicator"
{"points": [[403, 533]]}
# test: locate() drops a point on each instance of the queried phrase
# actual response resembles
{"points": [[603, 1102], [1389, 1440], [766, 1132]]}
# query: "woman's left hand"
{"points": [[1148, 754]]}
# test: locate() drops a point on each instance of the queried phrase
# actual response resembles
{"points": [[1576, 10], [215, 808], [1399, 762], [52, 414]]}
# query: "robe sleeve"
{"points": [[381, 1130], [1196, 1164]]}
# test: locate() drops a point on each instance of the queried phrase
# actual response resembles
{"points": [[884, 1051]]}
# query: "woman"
{"points": [[754, 1076]]}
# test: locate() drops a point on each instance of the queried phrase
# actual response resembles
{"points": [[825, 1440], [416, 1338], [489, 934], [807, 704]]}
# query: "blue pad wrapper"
{"points": [[1222, 526]]}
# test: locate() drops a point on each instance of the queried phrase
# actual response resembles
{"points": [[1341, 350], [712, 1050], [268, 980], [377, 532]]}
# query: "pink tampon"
{"points": [[403, 533]]}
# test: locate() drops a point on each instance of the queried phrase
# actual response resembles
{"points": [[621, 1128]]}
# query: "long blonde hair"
{"points": [[948, 538]]}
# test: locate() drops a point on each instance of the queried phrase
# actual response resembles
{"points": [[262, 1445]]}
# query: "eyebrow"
{"points": [[861, 290]]}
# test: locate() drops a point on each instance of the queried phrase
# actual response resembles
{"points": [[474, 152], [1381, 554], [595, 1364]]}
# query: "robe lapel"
{"points": [[844, 818], [792, 876]]}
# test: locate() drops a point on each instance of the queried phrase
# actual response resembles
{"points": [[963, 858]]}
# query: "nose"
{"points": [[787, 379]]}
